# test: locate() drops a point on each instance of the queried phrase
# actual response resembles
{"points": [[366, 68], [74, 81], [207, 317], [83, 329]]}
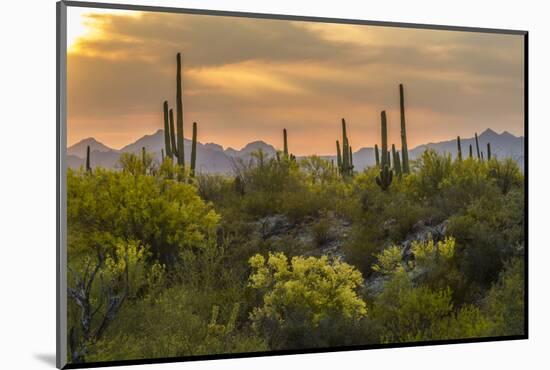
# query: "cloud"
{"points": [[246, 79]]}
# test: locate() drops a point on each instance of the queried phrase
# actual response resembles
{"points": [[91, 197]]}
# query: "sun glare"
{"points": [[79, 24]]}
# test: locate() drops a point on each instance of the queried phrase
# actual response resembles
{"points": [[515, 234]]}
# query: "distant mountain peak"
{"points": [[88, 141], [489, 132], [79, 149], [257, 145], [214, 146]]}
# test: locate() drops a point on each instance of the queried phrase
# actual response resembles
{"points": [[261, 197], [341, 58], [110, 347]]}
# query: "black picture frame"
{"points": [[61, 202]]}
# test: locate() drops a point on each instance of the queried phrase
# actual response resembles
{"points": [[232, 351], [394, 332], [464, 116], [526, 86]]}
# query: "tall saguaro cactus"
{"points": [[167, 132], [477, 147], [488, 151], [386, 175], [471, 152], [459, 148], [404, 148], [179, 117], [88, 167], [194, 149], [285, 144]]}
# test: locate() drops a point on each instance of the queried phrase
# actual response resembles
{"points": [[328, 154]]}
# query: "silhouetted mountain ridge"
{"points": [[213, 158]]}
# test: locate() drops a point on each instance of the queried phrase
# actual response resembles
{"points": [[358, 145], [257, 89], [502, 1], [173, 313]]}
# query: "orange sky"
{"points": [[247, 79]]}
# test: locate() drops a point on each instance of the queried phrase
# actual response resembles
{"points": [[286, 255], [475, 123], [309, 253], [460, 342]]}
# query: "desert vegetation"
{"points": [[291, 253]]}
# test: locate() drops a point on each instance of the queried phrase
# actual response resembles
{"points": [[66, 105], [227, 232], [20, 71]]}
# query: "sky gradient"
{"points": [[247, 79]]}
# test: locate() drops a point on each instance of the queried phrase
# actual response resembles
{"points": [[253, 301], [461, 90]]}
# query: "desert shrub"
{"points": [[321, 230], [301, 296], [433, 169], [318, 170], [505, 173], [490, 232], [408, 313], [505, 302], [432, 264], [137, 165], [171, 326], [214, 188], [99, 286], [164, 215], [467, 182], [436, 264]]}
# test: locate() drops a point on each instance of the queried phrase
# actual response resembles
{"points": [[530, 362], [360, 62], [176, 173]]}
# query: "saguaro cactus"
{"points": [[477, 147], [285, 144], [386, 175], [345, 149], [174, 148], [179, 117], [471, 151], [194, 149], [396, 161], [350, 161], [338, 156], [376, 155], [404, 147], [459, 148], [167, 131], [88, 167], [488, 151], [144, 159]]}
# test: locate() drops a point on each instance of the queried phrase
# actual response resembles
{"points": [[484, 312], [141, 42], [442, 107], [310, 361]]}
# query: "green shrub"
{"points": [[164, 215], [505, 302], [300, 294], [506, 174]]}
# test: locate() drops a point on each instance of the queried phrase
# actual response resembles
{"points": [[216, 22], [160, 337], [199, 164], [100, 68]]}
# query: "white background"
{"points": [[27, 182]]}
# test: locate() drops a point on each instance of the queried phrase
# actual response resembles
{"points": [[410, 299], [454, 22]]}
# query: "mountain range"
{"points": [[213, 158]]}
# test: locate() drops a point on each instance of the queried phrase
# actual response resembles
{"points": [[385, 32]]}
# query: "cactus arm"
{"points": [[376, 155], [459, 148]]}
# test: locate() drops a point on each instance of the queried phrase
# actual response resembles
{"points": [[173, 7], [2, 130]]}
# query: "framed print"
{"points": [[236, 184]]}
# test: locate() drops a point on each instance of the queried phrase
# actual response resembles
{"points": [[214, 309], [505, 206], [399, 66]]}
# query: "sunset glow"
{"points": [[247, 79]]}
